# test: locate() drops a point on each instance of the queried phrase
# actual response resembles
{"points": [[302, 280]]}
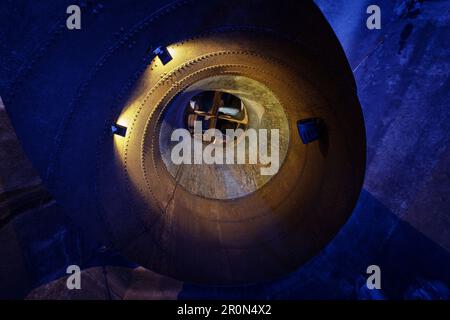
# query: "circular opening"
{"points": [[216, 110], [228, 117]]}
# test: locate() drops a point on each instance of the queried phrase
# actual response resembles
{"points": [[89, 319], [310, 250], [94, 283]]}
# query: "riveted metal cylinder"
{"points": [[219, 224]]}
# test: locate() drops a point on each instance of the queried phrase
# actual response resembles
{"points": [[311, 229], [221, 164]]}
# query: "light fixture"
{"points": [[163, 55], [119, 130], [309, 129]]}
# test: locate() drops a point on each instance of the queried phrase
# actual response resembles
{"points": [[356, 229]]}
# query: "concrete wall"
{"points": [[402, 76]]}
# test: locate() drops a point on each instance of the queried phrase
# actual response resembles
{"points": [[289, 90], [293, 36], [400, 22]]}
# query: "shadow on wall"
{"points": [[412, 266]]}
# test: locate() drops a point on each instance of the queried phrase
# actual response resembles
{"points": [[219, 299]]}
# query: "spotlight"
{"points": [[163, 55], [119, 130], [309, 129]]}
